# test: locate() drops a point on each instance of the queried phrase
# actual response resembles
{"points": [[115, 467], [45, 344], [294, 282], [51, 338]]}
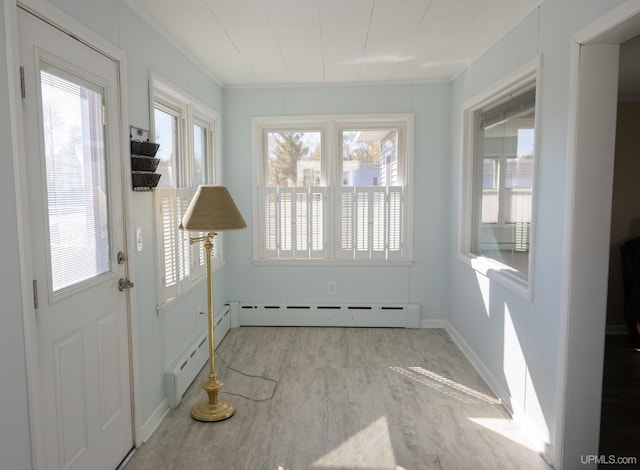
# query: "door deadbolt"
{"points": [[124, 284], [121, 257]]}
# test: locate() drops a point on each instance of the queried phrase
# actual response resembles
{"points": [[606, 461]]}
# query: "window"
{"points": [[333, 189], [185, 131], [500, 169]]}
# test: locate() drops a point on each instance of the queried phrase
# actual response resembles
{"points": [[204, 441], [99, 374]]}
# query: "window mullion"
{"points": [[330, 222], [502, 178]]}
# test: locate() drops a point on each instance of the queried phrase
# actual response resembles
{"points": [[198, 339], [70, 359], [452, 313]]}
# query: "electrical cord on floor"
{"points": [[275, 382]]}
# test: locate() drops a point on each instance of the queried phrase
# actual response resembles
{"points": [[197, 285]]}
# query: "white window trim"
{"points": [[192, 112], [330, 124], [493, 269]]}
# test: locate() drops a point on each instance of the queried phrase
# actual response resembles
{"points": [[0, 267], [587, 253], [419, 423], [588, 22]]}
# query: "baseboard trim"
{"points": [[328, 315], [480, 367], [434, 323], [151, 424]]}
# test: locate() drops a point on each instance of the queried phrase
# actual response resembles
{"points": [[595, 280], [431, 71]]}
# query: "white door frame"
{"points": [[61, 20], [591, 139]]}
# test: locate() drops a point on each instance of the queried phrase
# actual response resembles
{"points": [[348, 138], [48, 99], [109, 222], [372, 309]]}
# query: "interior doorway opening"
{"points": [[620, 413], [591, 134]]}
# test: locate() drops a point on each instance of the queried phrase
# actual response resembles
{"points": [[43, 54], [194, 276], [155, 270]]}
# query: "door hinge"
{"points": [[23, 89], [104, 115], [35, 294]]}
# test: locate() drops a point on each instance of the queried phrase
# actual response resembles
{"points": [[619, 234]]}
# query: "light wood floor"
{"points": [[347, 398]]}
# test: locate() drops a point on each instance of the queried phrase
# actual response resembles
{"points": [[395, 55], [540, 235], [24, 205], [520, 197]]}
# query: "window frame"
{"points": [[507, 276], [331, 127], [164, 95]]}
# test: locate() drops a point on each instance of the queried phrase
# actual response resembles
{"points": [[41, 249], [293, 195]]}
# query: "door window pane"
{"points": [[76, 179]]}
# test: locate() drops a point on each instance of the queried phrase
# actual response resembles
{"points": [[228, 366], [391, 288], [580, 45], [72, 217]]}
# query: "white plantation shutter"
{"points": [[285, 206], [317, 234], [293, 222], [190, 254], [378, 224], [395, 222], [182, 263], [371, 223], [362, 216], [167, 236], [270, 222], [302, 222], [346, 211]]}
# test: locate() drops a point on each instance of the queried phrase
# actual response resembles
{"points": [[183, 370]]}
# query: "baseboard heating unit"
{"points": [[351, 315], [184, 370]]}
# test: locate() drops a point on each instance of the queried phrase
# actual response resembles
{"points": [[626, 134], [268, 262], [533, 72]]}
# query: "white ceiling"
{"points": [[293, 42]]}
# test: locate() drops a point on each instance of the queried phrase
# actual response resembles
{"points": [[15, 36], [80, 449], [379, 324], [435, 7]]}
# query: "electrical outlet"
{"points": [[332, 288]]}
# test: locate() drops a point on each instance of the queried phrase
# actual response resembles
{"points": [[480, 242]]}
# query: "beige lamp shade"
{"points": [[212, 210]]}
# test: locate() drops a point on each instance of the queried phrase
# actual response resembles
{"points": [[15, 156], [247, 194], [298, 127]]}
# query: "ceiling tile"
{"points": [[406, 14], [230, 3], [346, 12], [376, 71], [293, 15], [258, 47], [241, 17], [341, 73]]}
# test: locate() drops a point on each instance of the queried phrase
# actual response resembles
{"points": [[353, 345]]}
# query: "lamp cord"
{"points": [[275, 382]]}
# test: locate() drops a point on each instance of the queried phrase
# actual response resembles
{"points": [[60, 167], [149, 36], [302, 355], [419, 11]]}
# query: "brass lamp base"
{"points": [[202, 411], [212, 409]]}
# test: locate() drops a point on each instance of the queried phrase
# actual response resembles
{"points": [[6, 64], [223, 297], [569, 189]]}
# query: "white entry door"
{"points": [[81, 389]]}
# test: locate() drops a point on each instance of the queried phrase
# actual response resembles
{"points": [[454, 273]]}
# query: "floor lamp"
{"points": [[211, 210]]}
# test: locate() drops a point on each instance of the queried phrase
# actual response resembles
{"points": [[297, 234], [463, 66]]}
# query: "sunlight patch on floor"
{"points": [[445, 385], [369, 449], [506, 428]]}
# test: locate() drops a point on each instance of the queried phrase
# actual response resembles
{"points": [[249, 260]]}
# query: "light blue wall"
{"points": [[426, 281], [517, 340]]}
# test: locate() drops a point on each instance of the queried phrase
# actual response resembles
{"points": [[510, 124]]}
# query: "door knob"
{"points": [[124, 284]]}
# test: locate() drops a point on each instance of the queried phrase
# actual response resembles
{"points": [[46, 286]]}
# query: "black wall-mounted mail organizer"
{"points": [[143, 161]]}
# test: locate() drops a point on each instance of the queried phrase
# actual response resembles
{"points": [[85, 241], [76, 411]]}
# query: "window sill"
{"points": [[168, 304], [502, 274], [330, 262]]}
